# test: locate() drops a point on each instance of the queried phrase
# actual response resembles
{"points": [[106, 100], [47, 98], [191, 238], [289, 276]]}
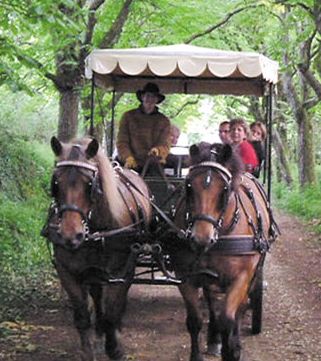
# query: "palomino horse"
{"points": [[229, 227], [97, 212]]}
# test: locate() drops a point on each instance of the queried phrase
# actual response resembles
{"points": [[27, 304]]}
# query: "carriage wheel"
{"points": [[256, 299]]}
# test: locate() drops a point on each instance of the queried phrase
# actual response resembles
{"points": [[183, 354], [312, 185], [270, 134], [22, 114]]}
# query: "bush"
{"points": [[25, 171], [304, 202]]}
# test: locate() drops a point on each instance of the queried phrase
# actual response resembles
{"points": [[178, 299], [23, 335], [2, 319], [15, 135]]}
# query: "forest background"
{"points": [[43, 92]]}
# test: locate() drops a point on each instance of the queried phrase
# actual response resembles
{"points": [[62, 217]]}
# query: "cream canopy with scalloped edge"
{"points": [[182, 69]]}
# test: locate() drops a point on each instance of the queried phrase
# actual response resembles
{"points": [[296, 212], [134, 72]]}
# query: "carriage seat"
{"points": [[177, 162]]}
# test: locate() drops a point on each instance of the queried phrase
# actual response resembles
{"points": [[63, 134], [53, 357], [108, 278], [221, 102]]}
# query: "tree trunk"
{"points": [[68, 115], [304, 122], [283, 165], [306, 150], [109, 40]]}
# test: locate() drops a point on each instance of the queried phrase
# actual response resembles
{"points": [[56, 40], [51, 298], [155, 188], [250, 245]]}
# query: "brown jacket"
{"points": [[139, 132]]}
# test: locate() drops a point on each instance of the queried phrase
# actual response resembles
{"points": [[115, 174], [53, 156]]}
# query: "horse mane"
{"points": [[223, 154], [108, 180]]}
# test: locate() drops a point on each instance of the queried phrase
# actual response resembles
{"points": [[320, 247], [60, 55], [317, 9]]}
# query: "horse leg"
{"points": [[96, 294], [230, 320], [193, 319], [214, 343], [78, 297], [114, 305]]}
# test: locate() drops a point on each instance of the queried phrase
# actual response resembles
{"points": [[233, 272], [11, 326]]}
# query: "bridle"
{"points": [[208, 167], [58, 208]]}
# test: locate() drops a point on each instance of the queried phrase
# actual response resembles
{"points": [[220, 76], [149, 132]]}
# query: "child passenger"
{"points": [[258, 130], [240, 137]]}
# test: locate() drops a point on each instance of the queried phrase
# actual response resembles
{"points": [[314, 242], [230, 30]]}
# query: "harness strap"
{"points": [[214, 165], [235, 219], [180, 232], [130, 186], [274, 228], [235, 245], [207, 218], [72, 208], [74, 163]]}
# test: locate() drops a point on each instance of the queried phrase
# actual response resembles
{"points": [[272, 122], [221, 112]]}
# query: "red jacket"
{"points": [[248, 156]]}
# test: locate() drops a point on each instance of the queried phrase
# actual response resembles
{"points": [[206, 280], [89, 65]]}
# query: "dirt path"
{"points": [[154, 326]]}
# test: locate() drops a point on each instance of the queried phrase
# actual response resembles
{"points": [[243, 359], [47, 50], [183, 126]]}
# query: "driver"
{"points": [[144, 131]]}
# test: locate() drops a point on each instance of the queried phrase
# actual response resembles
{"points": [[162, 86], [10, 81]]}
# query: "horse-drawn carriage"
{"points": [[210, 229]]}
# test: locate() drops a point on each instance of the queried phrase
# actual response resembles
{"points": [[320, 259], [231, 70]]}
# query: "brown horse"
{"points": [[98, 212], [229, 228]]}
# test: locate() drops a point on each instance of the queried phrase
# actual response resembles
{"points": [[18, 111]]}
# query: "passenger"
{"points": [[144, 131], [258, 130], [174, 135], [224, 132], [173, 161], [240, 136]]}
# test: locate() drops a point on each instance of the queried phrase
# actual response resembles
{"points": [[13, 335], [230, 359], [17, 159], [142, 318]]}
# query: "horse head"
{"points": [[73, 187], [211, 180]]}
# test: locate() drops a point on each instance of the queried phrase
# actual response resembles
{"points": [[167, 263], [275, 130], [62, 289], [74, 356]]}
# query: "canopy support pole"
{"points": [[266, 120], [92, 105], [270, 115], [113, 101]]}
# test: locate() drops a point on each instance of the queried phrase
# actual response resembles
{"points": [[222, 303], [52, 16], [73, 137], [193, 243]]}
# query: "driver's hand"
{"points": [[130, 162], [154, 152]]}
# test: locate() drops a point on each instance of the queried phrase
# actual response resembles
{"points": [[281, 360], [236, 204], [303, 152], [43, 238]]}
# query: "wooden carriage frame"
{"points": [[186, 69]]}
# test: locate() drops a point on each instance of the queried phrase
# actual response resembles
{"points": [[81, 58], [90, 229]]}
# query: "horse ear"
{"points": [[92, 148], [225, 153], [56, 146], [194, 150]]}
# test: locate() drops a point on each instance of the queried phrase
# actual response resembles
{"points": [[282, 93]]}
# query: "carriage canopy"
{"points": [[182, 69]]}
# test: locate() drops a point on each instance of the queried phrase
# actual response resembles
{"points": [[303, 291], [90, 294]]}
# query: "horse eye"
{"points": [[89, 187]]}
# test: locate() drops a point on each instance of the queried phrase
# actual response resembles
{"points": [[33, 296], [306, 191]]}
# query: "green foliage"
{"points": [[32, 35], [25, 170], [28, 117], [301, 202]]}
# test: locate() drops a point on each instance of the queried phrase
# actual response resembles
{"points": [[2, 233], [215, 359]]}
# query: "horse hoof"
{"points": [[214, 349]]}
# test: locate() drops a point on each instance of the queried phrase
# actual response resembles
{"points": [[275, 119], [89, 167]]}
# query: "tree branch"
{"points": [[302, 5], [311, 79], [113, 34], [218, 25], [311, 103], [91, 23], [94, 5], [289, 90], [191, 102]]}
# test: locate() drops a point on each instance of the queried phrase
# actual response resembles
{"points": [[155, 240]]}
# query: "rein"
{"points": [[180, 232]]}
